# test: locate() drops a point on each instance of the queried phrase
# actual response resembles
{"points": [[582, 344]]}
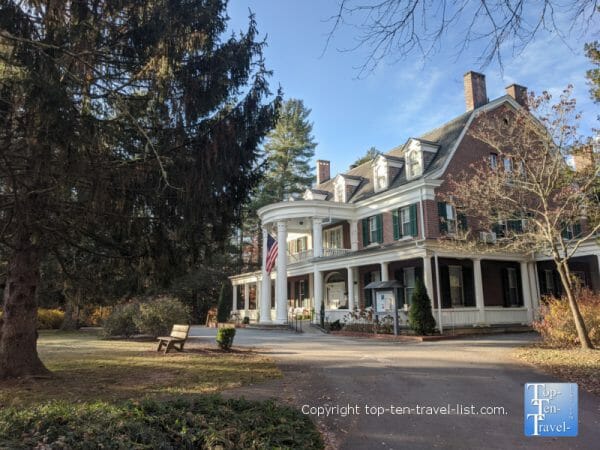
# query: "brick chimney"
{"points": [[475, 91], [519, 93], [584, 158], [323, 171]]}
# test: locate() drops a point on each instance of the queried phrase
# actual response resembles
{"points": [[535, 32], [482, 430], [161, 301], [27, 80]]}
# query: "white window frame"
{"points": [[507, 164], [333, 237], [450, 218], [381, 177], [340, 192], [405, 221], [414, 163], [493, 161], [409, 288], [373, 230]]}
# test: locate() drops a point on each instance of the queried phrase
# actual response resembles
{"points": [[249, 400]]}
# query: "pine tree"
{"points": [[420, 318], [130, 131], [592, 51], [370, 155], [224, 305]]}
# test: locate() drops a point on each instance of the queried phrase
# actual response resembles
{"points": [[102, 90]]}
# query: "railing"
{"points": [[336, 251], [300, 256]]}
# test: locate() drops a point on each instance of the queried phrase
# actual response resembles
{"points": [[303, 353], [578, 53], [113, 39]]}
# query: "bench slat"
{"points": [[179, 334], [184, 328]]}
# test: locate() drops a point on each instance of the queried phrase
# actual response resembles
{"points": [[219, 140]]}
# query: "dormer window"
{"points": [[414, 164], [339, 193], [381, 177], [385, 169]]}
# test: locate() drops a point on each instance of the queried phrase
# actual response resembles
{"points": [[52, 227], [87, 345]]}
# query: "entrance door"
{"points": [[335, 296]]}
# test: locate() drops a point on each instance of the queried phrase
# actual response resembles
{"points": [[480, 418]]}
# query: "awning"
{"points": [[383, 285]]}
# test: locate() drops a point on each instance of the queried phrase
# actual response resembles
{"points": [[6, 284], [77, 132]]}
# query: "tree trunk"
{"points": [[582, 334], [18, 334]]}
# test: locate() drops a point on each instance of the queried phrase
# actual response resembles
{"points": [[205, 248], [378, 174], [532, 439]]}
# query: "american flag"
{"points": [[272, 248]]}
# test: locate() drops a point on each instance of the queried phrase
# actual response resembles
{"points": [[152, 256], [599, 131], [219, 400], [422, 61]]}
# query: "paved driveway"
{"points": [[325, 371]]}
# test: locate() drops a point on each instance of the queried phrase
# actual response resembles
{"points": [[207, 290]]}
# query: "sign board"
{"points": [[385, 302]]}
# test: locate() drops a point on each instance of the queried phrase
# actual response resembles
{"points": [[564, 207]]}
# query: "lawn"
{"points": [[574, 365], [86, 367], [124, 395]]}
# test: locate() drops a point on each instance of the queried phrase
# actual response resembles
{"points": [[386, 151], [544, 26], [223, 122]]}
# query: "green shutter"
{"points": [[462, 221], [414, 231], [365, 232], [577, 229], [379, 222], [443, 216], [396, 225]]}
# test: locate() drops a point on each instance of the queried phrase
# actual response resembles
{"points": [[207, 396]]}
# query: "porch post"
{"points": [[526, 291], [281, 312], [246, 298], [234, 292], [350, 288], [317, 237], [265, 292], [318, 292], [385, 273], [428, 278], [479, 300], [354, 235], [535, 288]]}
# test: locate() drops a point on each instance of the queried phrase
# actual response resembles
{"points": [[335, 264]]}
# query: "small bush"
{"points": [[225, 303], [49, 319], [246, 320], [121, 320], [207, 422], [335, 325], [420, 318], [95, 316], [225, 338], [556, 325], [158, 316]]}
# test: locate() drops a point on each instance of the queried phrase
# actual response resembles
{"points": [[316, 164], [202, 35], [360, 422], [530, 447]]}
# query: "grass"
{"points": [[87, 368], [570, 364]]}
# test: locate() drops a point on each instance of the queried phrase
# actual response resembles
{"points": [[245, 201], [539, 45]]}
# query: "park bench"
{"points": [[178, 336]]}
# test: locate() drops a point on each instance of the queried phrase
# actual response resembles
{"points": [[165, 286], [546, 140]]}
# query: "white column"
{"points": [[317, 237], [354, 235], [318, 293], [534, 286], [428, 278], [281, 310], [526, 291], [234, 306], [265, 292], [246, 298], [479, 300], [311, 289], [385, 273], [350, 288]]}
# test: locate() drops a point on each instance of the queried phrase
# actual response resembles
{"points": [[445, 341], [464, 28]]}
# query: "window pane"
{"points": [[456, 285]]}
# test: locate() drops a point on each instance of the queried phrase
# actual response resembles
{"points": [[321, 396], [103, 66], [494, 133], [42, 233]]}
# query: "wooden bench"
{"points": [[178, 336]]}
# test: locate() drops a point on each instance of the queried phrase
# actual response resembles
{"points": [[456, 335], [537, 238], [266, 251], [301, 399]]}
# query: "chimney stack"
{"points": [[475, 91], [583, 158], [519, 93], [323, 171]]}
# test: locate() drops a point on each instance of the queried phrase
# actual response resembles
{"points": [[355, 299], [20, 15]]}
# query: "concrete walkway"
{"points": [[326, 371]]}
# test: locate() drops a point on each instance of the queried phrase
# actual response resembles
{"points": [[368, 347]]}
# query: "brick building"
{"points": [[383, 220]]}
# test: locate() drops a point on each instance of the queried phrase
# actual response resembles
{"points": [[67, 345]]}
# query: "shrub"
{"points": [[158, 316], [225, 303], [246, 320], [420, 318], [556, 325], [49, 319], [120, 322], [95, 316], [225, 337], [200, 422], [335, 325]]}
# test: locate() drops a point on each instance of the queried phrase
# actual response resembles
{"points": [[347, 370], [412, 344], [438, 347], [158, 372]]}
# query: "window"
{"points": [[372, 229], [493, 161], [571, 231], [339, 192], [414, 164], [508, 166], [448, 218], [297, 245], [333, 238], [512, 288], [381, 181], [409, 284], [252, 296], [457, 296], [405, 221]]}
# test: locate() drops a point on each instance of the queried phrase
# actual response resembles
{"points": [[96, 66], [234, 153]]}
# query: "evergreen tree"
{"points": [[420, 318], [289, 149], [129, 130], [592, 51], [224, 305], [370, 155]]}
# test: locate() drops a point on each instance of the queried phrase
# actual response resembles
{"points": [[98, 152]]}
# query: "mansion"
{"points": [[383, 220]]}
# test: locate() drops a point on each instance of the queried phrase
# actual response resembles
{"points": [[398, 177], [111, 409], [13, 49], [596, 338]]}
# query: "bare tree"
{"points": [[399, 28], [529, 193]]}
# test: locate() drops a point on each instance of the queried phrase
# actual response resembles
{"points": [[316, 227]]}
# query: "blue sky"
{"points": [[399, 99]]}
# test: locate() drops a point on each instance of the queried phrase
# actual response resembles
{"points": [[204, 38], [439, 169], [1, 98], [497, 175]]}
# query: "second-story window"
{"points": [[493, 161], [405, 221], [332, 238], [372, 228], [508, 165]]}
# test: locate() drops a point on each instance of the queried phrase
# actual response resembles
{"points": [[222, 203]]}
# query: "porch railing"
{"points": [[335, 251], [300, 256]]}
